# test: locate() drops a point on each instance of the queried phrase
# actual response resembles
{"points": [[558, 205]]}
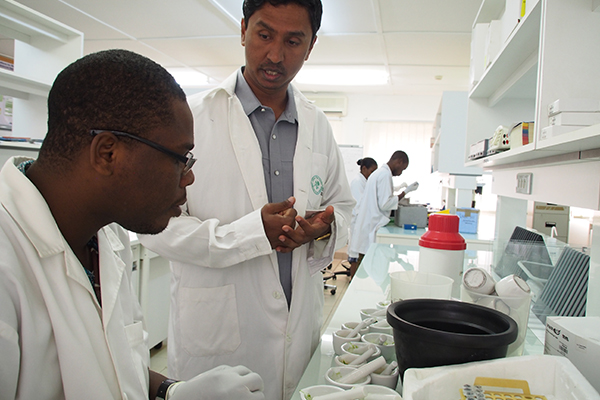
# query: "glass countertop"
{"points": [[371, 285]]}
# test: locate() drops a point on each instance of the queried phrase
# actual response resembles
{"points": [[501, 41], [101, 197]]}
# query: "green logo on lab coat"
{"points": [[317, 184]]}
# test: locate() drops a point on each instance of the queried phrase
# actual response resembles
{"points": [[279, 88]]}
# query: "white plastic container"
{"points": [[552, 376], [419, 285], [442, 249]]}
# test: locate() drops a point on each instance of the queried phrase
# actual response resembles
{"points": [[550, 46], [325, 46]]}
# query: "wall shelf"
{"points": [[42, 48], [548, 56]]}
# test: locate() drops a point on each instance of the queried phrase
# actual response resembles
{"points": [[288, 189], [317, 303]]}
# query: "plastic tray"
{"points": [[554, 377]]}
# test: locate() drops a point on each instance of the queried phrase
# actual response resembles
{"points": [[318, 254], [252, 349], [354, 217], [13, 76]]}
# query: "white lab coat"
{"points": [[228, 305], [374, 209], [55, 340], [357, 187]]}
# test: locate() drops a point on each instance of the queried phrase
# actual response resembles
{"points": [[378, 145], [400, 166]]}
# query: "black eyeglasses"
{"points": [[188, 159]]}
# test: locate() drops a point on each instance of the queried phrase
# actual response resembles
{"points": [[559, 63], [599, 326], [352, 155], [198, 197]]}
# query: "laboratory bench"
{"points": [[371, 284], [393, 234]]}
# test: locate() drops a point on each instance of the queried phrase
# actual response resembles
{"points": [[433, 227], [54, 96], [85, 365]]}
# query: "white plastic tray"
{"points": [[552, 376]]}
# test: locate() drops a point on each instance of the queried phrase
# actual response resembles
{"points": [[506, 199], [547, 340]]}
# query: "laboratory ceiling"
{"points": [[424, 45]]}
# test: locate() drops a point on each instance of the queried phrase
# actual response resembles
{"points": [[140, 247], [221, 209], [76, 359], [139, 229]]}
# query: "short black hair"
{"points": [[112, 89], [314, 8], [400, 155], [367, 162]]}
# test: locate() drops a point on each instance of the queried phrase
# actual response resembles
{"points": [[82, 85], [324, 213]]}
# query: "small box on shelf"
{"points": [[556, 130], [478, 149], [478, 47], [573, 105], [500, 141], [521, 134], [575, 118]]}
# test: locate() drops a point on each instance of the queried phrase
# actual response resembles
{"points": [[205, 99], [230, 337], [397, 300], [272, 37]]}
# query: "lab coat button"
{"points": [[277, 173], [288, 338], [274, 137], [277, 295]]}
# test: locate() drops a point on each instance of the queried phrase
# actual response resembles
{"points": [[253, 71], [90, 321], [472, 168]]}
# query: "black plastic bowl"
{"points": [[431, 333]]}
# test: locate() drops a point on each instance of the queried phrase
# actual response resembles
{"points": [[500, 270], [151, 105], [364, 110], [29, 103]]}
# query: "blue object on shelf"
{"points": [[410, 227]]}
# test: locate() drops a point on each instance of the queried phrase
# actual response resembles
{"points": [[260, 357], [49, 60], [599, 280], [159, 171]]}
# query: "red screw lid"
{"points": [[443, 233]]}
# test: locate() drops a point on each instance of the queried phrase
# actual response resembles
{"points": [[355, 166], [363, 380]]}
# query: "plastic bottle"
{"points": [[442, 249]]}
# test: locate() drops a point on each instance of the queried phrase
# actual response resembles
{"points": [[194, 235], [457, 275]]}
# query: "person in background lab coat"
{"points": [[357, 186], [117, 151], [246, 284], [377, 203]]}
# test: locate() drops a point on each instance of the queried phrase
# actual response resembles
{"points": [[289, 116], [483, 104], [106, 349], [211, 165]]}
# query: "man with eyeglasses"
{"points": [[240, 278], [117, 151]]}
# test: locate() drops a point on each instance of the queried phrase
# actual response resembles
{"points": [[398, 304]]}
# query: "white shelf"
{"points": [[42, 48], [22, 23], [14, 85], [548, 56], [517, 59], [562, 148], [489, 10]]}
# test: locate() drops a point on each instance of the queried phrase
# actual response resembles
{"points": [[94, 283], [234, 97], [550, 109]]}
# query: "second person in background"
{"points": [[377, 203], [266, 213], [357, 186]]}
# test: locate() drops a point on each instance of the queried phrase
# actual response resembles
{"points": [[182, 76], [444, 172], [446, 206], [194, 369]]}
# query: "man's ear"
{"points": [[103, 153], [243, 28], [312, 44]]}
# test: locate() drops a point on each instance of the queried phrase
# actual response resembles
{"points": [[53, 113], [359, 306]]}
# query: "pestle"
{"points": [[364, 356], [388, 370], [363, 371]]}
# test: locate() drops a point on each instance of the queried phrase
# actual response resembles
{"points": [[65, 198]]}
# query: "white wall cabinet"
{"points": [[449, 132], [551, 54], [42, 48], [447, 152]]}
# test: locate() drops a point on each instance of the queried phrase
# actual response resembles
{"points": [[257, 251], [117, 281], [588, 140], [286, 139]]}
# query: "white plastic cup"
{"points": [[419, 285], [478, 280], [517, 307]]}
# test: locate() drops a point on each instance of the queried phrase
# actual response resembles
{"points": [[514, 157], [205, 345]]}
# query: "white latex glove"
{"points": [[412, 187], [220, 383]]}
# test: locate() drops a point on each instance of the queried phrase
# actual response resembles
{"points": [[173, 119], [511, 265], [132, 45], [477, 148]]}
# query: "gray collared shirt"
{"points": [[277, 140]]}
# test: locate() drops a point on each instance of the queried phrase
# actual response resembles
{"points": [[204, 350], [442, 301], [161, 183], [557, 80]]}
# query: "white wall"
{"points": [[363, 107]]}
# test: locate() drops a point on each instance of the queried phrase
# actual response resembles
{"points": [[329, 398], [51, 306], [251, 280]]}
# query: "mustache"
{"points": [[269, 66]]}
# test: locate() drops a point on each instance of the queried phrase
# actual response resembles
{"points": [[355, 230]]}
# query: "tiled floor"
{"points": [[158, 357]]}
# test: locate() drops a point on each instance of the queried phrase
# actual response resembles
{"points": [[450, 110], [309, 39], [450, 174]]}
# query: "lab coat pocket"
{"points": [[209, 320], [318, 174], [137, 338], [135, 333]]}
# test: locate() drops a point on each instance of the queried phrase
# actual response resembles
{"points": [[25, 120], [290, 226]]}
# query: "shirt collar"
{"points": [[250, 102], [26, 205]]}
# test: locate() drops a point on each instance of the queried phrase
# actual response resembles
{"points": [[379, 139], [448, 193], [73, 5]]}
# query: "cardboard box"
{"points": [[575, 118], [521, 134], [493, 42], [469, 220], [578, 339], [573, 105], [477, 64], [556, 130]]}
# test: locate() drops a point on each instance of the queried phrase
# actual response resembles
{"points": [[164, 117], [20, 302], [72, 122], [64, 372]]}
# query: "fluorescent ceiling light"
{"points": [[346, 75], [187, 77]]}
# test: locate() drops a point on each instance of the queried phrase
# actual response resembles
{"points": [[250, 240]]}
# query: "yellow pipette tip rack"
{"points": [[498, 389]]}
